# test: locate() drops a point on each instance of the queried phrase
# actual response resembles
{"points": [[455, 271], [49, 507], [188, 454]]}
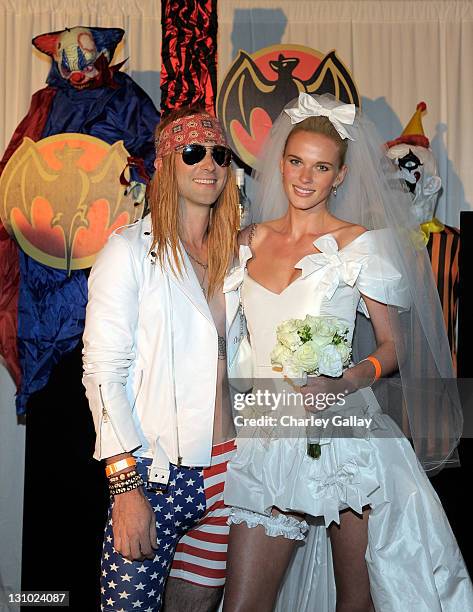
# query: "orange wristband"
{"points": [[113, 468], [377, 366]]}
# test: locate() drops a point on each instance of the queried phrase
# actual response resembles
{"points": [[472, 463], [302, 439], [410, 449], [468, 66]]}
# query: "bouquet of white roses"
{"points": [[314, 345]]}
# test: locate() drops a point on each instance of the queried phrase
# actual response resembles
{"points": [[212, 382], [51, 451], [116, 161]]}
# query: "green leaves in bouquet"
{"points": [[339, 338], [305, 334]]}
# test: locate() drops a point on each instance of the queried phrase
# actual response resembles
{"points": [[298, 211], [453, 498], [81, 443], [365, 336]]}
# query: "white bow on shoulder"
{"points": [[309, 107]]}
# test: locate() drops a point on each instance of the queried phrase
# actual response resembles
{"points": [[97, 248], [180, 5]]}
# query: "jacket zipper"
{"points": [[106, 417]]}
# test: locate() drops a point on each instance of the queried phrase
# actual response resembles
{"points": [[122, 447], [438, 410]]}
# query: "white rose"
{"points": [[289, 326], [312, 322], [327, 326], [287, 335], [310, 319], [344, 351], [290, 339], [322, 340], [306, 357], [280, 354], [330, 362]]}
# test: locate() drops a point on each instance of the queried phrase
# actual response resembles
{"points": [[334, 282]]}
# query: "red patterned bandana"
{"points": [[199, 128]]}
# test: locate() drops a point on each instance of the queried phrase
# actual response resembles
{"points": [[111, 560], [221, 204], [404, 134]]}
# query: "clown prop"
{"points": [[65, 158], [417, 166]]}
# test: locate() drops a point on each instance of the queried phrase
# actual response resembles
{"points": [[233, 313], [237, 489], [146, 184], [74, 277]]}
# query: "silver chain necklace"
{"points": [[205, 266], [202, 265]]}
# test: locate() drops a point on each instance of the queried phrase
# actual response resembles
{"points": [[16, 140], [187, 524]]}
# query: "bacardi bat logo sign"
{"points": [[258, 86], [61, 198]]}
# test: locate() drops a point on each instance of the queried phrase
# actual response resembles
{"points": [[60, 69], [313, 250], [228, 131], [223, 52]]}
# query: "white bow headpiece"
{"points": [[309, 107]]}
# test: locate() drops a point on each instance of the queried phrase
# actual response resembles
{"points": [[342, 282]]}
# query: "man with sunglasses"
{"points": [[155, 358]]}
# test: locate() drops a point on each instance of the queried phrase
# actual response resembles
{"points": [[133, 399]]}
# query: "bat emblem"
{"points": [[61, 198], [258, 86]]}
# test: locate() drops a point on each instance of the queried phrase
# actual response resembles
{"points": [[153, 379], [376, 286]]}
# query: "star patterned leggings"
{"points": [[191, 521]]}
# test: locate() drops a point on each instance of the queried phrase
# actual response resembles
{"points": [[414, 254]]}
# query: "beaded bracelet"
{"points": [[118, 488], [125, 481], [124, 490], [129, 483], [123, 476]]}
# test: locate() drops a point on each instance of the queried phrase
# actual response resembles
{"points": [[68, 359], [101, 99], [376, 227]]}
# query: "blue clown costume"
{"points": [[84, 94]]}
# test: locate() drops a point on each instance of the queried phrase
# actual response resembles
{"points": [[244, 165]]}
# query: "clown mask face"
{"points": [[410, 169], [417, 167], [75, 56], [80, 53]]}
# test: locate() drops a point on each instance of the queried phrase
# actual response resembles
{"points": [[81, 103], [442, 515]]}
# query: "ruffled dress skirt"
{"points": [[413, 559]]}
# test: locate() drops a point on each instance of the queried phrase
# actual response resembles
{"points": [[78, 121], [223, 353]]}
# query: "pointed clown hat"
{"points": [[413, 133]]}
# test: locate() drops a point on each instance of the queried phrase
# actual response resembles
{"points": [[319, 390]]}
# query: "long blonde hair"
{"points": [[163, 200]]}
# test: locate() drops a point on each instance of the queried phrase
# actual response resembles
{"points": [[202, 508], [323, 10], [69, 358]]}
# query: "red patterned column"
{"points": [[189, 54]]}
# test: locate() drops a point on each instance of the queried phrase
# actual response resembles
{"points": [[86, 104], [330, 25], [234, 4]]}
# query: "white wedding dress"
{"points": [[413, 559]]}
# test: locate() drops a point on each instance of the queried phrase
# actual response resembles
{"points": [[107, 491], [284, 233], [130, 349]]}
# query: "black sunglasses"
{"points": [[194, 153]]}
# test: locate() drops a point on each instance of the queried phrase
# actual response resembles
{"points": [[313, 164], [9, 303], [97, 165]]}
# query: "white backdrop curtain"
{"points": [[398, 52]]}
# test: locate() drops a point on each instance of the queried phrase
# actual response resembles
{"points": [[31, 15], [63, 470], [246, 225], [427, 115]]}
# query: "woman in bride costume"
{"points": [[335, 236]]}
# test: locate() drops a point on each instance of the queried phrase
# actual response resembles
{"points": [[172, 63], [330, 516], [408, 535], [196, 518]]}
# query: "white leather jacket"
{"points": [[150, 353]]}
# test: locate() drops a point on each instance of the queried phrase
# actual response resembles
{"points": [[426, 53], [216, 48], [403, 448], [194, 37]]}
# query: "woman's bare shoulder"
{"points": [[347, 232], [354, 230]]}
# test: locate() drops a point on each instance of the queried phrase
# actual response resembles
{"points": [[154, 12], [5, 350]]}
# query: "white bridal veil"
{"points": [[422, 397]]}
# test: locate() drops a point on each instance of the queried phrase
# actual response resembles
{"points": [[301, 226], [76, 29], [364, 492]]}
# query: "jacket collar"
{"points": [[186, 282]]}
